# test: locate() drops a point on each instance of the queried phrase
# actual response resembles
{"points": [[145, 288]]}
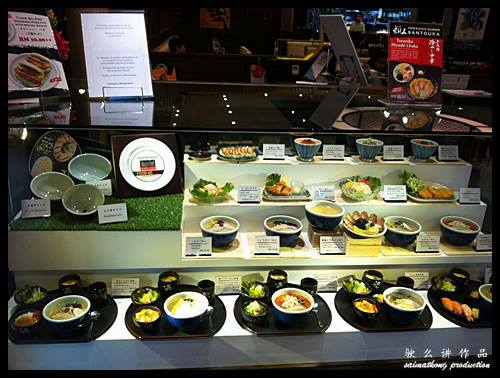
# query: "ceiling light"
{"points": [[405, 120], [233, 122]]}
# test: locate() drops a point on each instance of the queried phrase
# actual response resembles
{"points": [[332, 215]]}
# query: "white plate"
{"points": [[269, 197], [155, 156], [431, 200], [46, 85], [363, 235]]}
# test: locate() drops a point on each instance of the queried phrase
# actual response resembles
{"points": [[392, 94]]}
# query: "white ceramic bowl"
{"points": [[89, 167], [51, 185], [67, 326], [82, 199]]}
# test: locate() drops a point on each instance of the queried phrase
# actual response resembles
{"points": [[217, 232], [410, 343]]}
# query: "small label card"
{"points": [[332, 245], [448, 152], [116, 212], [198, 246], [123, 286], [325, 192], [333, 151], [487, 274], [273, 151], [395, 193], [267, 245], [470, 195], [394, 152], [427, 243], [421, 279], [326, 281], [104, 185], [249, 194], [35, 208], [484, 242], [227, 284]]}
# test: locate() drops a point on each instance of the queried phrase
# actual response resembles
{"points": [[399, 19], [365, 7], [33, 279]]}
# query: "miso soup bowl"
{"points": [[324, 222], [220, 239], [89, 167], [69, 326], [457, 237], [287, 316], [485, 304], [82, 199], [402, 315], [193, 320], [402, 238], [287, 238], [51, 185]]}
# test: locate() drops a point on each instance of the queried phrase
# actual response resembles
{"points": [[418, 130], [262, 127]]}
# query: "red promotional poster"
{"points": [[415, 62]]}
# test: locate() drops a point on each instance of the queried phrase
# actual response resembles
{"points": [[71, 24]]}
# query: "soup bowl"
{"points": [[89, 167], [291, 317], [51, 185], [400, 238], [67, 326], [307, 148], [423, 148], [220, 238], [168, 283], [399, 314], [82, 199], [458, 237], [324, 222], [368, 148], [486, 303], [287, 238], [459, 277], [190, 318]]}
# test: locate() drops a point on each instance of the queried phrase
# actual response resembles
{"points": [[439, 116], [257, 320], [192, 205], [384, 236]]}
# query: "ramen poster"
{"points": [[415, 62]]}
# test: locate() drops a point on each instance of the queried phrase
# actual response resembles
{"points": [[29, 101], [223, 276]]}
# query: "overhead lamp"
{"points": [[233, 122], [405, 120], [229, 112], [386, 114], [81, 91], [265, 94]]}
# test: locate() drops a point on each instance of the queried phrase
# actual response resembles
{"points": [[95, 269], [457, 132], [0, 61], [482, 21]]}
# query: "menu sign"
{"points": [[415, 62]]}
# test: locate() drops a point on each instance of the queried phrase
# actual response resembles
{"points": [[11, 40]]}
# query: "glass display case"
{"points": [[221, 131]]}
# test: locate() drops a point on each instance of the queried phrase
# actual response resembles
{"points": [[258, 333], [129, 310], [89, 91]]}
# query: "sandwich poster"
{"points": [[34, 66], [415, 62]]}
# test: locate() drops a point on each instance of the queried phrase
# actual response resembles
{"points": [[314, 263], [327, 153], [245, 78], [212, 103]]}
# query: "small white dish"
{"points": [[51, 185], [89, 167], [83, 199]]}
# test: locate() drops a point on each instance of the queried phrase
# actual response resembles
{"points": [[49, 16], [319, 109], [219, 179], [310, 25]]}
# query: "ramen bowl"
{"points": [[401, 313], [455, 235], [400, 238], [89, 167], [214, 227], [423, 149], [284, 309], [323, 221], [51, 185], [82, 199], [189, 316], [368, 148], [486, 300], [287, 237], [72, 324], [307, 148]]}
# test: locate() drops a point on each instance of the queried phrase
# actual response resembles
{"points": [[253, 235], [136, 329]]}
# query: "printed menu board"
{"points": [[415, 62], [34, 67]]}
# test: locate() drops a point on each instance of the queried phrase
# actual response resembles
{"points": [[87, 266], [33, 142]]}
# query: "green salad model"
{"points": [[446, 284], [355, 286], [412, 182], [209, 191], [254, 289], [255, 308], [360, 188], [31, 295], [149, 297]]}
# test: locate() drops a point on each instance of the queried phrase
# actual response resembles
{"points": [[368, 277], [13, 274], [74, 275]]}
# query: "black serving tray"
{"points": [[382, 323], [273, 327], [208, 328], [45, 336], [461, 296]]}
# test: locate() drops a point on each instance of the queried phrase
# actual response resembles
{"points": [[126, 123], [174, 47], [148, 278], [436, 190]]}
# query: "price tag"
{"points": [[227, 284], [332, 245], [326, 281], [249, 194], [421, 279], [35, 208], [333, 151], [324, 193], [104, 185], [395, 193], [116, 212], [484, 242], [123, 286], [274, 151], [394, 152], [487, 274], [470, 195], [448, 152], [427, 243], [198, 246], [267, 245]]}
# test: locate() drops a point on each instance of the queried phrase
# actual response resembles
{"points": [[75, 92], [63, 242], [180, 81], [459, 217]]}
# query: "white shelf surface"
{"points": [[233, 346]]}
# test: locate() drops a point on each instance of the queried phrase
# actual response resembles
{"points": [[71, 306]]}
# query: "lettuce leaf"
{"points": [[201, 195]]}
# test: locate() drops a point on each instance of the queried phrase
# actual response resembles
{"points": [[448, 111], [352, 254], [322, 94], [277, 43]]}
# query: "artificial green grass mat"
{"points": [[144, 214]]}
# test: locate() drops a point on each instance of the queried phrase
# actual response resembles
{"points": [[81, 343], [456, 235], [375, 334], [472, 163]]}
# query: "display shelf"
{"points": [[233, 346]]}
